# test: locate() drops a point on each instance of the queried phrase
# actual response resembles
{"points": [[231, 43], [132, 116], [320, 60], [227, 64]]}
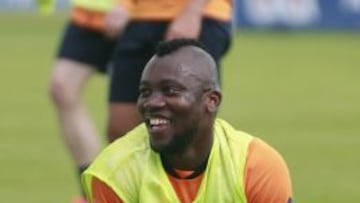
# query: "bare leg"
{"points": [[79, 134], [122, 118]]}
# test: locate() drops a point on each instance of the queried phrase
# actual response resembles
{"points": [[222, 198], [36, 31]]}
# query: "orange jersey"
{"points": [[88, 18], [169, 9], [90, 13], [151, 10], [267, 179]]}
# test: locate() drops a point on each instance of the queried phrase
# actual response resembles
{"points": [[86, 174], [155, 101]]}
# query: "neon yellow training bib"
{"points": [[135, 172], [96, 5]]}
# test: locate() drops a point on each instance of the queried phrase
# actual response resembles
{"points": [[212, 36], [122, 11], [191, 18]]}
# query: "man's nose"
{"points": [[154, 101]]}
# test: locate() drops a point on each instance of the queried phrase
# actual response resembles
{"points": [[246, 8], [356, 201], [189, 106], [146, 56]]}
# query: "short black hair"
{"points": [[168, 47]]}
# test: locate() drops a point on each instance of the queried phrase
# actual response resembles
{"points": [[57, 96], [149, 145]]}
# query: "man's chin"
{"points": [[163, 148], [158, 147]]}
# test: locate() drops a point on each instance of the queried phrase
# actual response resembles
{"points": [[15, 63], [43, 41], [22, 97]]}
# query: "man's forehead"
{"points": [[177, 74], [190, 63], [169, 65]]}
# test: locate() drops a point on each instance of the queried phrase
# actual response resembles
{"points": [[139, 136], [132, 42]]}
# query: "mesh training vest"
{"points": [[135, 172]]}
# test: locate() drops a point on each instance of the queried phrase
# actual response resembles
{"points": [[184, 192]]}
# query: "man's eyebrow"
{"points": [[166, 81], [144, 82], [162, 82], [172, 82]]}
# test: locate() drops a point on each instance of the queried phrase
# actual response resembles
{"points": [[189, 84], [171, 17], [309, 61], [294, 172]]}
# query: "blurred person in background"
{"points": [[183, 152], [85, 50], [152, 21]]}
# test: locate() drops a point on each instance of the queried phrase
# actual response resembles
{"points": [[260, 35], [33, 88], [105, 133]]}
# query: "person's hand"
{"points": [[115, 21], [186, 25]]}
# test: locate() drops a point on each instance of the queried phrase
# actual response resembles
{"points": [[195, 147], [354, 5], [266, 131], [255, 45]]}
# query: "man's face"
{"points": [[171, 103]]}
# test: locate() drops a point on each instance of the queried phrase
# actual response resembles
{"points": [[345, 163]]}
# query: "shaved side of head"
{"points": [[193, 58]]}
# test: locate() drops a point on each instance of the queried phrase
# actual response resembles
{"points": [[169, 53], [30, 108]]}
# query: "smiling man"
{"points": [[182, 152]]}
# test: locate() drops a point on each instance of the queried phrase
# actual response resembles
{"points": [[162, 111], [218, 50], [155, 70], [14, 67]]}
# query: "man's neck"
{"points": [[184, 173], [192, 157]]}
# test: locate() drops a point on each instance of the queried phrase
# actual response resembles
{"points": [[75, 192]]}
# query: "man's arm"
{"points": [[267, 177], [102, 193], [188, 23], [117, 18]]}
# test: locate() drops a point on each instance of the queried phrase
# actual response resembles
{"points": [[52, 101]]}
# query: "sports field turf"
{"points": [[298, 91]]}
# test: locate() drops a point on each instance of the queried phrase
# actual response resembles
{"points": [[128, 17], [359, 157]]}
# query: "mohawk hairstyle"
{"points": [[168, 47]]}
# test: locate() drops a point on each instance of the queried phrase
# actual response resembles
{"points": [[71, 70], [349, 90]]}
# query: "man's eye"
{"points": [[144, 92], [172, 91]]}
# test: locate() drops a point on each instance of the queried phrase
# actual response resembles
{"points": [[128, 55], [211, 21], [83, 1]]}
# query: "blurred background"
{"points": [[291, 78]]}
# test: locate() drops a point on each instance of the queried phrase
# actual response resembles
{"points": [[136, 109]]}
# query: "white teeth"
{"points": [[158, 121]]}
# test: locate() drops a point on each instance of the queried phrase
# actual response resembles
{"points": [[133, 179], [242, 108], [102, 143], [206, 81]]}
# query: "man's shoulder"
{"points": [[121, 163], [231, 133], [130, 149]]}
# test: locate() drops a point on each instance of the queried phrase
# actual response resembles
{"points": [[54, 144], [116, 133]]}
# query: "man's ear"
{"points": [[213, 101]]}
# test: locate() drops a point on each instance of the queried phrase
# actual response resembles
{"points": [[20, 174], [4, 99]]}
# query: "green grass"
{"points": [[298, 91]]}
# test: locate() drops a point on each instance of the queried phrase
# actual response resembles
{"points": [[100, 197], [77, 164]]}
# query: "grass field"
{"points": [[298, 91]]}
